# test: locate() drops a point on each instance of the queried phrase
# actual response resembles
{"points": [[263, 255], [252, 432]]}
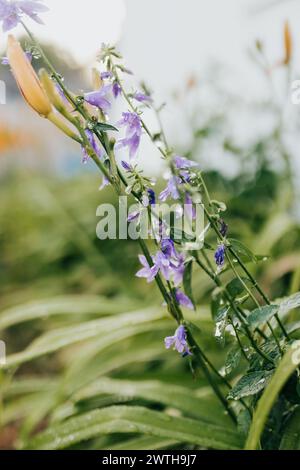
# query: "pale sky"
{"points": [[164, 41]]}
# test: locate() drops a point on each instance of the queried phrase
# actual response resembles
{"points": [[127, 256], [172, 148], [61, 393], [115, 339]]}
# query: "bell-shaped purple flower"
{"points": [[171, 189], [92, 141], [147, 272], [179, 341], [11, 12], [99, 98], [133, 132]]}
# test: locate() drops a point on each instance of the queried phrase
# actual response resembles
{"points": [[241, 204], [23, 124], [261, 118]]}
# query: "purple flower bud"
{"points": [[223, 228], [142, 98], [116, 89], [220, 255], [151, 196], [126, 166]]}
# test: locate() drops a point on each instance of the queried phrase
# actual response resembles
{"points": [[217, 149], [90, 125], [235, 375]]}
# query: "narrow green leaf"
{"points": [[104, 127], [67, 305], [137, 420], [201, 403], [289, 363], [145, 443], [63, 337]]}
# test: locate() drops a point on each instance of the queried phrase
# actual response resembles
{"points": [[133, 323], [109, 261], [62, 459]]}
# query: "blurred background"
{"points": [[221, 68]]}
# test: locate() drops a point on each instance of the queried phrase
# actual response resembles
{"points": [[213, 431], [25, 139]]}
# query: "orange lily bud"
{"points": [[288, 44], [26, 78]]}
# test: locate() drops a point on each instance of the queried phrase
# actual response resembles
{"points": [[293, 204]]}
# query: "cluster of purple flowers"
{"points": [[11, 12], [133, 132], [167, 261]]}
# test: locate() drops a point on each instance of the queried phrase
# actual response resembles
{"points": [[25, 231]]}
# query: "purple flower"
{"points": [[171, 189], [126, 166], [93, 144], [11, 12], [133, 216], [133, 126], [116, 89], [4, 61], [223, 228], [61, 92], [99, 98], [183, 299], [142, 98], [169, 262], [105, 75], [189, 207], [182, 163], [220, 255], [179, 341], [105, 182], [151, 196], [147, 272]]}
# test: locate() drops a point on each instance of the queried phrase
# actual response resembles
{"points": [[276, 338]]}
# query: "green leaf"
{"points": [[200, 404], [187, 281], [291, 435], [262, 315], [288, 303], [235, 287], [221, 323], [250, 384], [242, 250], [104, 127], [67, 305], [137, 420], [144, 443], [288, 364], [63, 337], [233, 359]]}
